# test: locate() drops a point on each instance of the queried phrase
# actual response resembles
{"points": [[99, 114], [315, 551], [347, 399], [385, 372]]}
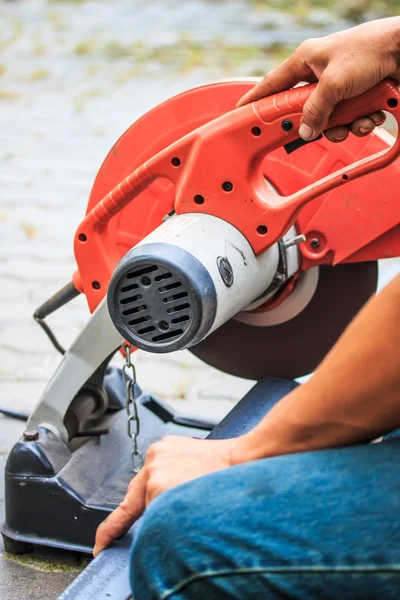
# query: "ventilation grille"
{"points": [[154, 304]]}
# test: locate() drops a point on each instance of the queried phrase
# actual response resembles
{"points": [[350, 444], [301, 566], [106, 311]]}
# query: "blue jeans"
{"points": [[313, 525]]}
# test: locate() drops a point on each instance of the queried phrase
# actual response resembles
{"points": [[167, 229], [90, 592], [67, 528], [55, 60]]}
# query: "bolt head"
{"points": [[163, 325], [227, 186], [279, 278], [287, 125], [145, 281], [315, 243], [30, 435], [225, 270]]}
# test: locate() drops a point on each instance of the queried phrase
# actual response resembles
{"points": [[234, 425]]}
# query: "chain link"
{"points": [[133, 423]]}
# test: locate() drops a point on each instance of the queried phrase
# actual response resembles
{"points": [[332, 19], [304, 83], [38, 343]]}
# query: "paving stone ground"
{"points": [[73, 77]]}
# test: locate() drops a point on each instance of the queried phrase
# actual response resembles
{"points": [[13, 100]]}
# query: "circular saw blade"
{"points": [[294, 348]]}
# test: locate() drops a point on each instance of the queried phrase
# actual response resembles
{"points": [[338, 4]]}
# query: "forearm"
{"points": [[354, 395], [394, 25]]}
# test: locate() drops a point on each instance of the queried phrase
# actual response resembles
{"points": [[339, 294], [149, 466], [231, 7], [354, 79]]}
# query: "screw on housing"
{"points": [[30, 435], [279, 278], [227, 186], [315, 243], [225, 270], [287, 125]]}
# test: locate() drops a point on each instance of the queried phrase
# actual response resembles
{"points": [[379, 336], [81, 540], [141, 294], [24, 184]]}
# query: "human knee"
{"points": [[157, 556]]}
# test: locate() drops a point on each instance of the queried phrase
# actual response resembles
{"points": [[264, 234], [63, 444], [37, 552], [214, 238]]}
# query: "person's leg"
{"points": [[313, 525]]}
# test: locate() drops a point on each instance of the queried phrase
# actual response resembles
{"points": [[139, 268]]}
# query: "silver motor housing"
{"points": [[184, 280]]}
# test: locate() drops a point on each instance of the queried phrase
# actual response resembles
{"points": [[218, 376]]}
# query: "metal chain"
{"points": [[129, 376]]}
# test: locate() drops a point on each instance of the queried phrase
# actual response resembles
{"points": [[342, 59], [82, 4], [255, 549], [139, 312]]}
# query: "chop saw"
{"points": [[212, 229]]}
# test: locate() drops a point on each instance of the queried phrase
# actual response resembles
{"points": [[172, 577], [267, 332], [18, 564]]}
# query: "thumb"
{"points": [[318, 108], [122, 518]]}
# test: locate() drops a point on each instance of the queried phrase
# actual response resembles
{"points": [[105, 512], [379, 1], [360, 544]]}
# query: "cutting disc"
{"points": [[296, 347]]}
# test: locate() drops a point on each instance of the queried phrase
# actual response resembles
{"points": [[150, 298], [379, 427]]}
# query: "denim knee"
{"points": [[303, 526], [157, 563]]}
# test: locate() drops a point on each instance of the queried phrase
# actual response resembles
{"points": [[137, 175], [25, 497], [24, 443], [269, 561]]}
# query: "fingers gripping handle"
{"points": [[347, 111], [384, 96]]}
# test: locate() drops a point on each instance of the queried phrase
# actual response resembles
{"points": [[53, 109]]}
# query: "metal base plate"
{"points": [[57, 495], [294, 348]]}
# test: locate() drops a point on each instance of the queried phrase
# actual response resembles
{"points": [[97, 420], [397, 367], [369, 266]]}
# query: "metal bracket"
{"points": [[93, 345]]}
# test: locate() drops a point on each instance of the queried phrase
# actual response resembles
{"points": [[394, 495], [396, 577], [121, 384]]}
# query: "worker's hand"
{"points": [[345, 65], [170, 462]]}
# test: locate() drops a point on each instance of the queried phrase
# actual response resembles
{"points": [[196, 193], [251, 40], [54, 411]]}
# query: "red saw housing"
{"points": [[195, 153]]}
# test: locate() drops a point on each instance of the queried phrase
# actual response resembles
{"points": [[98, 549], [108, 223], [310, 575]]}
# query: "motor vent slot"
{"points": [[146, 330], [128, 288], [167, 336], [139, 320], [170, 286], [155, 303], [162, 277], [143, 271], [131, 299], [180, 319], [175, 297], [178, 308]]}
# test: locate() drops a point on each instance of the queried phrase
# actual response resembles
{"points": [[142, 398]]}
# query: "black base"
{"points": [[56, 496]]}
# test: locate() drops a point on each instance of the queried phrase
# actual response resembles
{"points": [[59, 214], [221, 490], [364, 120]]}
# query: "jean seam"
{"points": [[280, 570]]}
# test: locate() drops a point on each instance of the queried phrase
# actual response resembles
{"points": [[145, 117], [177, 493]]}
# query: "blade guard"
{"points": [[229, 150]]}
